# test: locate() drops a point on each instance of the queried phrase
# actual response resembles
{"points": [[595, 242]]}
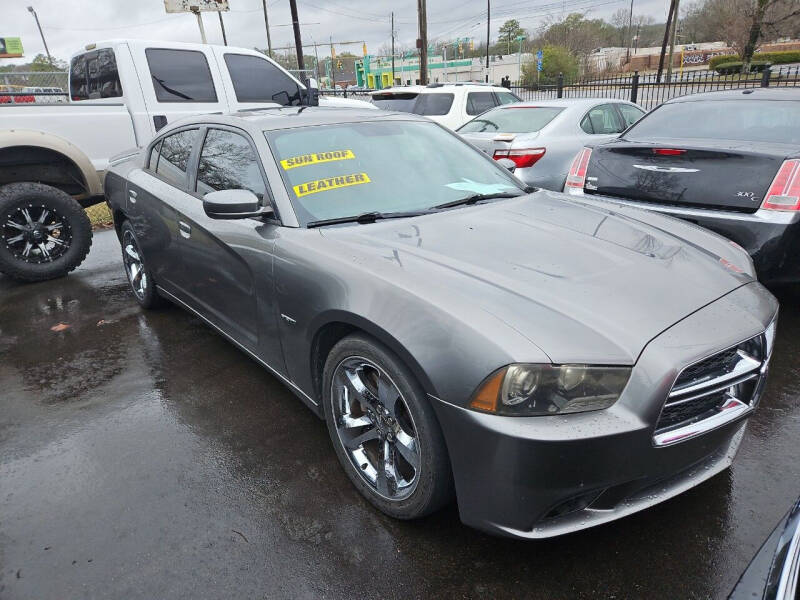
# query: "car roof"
{"points": [[565, 103], [287, 117], [748, 94], [435, 88]]}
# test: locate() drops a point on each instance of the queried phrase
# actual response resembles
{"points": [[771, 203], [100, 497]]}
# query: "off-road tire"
{"points": [[15, 196]]}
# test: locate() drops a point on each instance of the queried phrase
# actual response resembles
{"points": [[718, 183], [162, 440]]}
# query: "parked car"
{"points": [[14, 94], [451, 104], [729, 161], [53, 157], [774, 572], [543, 137], [563, 362], [47, 95]]}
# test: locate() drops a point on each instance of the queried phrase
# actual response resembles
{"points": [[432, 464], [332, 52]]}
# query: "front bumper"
{"points": [[537, 477], [771, 237]]}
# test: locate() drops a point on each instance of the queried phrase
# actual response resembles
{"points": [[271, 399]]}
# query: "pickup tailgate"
{"points": [[702, 173], [97, 130]]}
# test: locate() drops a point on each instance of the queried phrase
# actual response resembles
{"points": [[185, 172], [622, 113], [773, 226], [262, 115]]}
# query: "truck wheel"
{"points": [[44, 232]]}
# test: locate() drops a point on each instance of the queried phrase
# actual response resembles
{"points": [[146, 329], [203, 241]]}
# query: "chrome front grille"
{"points": [[715, 390]]}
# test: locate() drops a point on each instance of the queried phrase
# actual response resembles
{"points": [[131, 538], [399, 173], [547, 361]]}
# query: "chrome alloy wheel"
{"points": [[375, 427], [36, 234], [134, 265]]}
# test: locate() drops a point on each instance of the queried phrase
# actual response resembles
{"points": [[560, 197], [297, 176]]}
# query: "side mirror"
{"points": [[507, 163], [281, 98], [312, 92], [234, 204]]}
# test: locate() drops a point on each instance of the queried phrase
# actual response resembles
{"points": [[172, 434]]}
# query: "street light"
{"points": [[41, 33]]}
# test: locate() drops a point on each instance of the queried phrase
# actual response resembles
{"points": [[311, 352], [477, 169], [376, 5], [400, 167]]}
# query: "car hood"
{"points": [[583, 281]]}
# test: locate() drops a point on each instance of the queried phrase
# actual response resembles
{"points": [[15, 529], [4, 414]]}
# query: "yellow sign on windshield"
{"points": [[316, 158], [330, 183]]}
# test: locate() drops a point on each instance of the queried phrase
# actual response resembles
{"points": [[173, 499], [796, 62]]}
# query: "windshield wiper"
{"points": [[475, 198], [367, 217]]}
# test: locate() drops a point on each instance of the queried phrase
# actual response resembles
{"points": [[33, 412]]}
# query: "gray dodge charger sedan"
{"points": [[553, 362]]}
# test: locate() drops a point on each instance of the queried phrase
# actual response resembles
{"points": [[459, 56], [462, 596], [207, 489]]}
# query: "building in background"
{"points": [[375, 72]]}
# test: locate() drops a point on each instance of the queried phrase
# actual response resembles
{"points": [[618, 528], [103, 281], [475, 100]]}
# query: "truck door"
{"points": [[253, 81], [179, 83]]}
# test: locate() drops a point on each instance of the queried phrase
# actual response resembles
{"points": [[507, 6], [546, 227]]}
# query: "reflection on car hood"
{"points": [[584, 283]]}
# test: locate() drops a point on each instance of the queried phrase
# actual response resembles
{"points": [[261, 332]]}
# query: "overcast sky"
{"points": [[70, 24]]}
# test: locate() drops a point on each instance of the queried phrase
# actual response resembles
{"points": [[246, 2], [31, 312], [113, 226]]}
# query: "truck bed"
{"points": [[99, 130]]}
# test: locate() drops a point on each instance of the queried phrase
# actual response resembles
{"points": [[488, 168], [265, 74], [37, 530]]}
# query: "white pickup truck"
{"points": [[53, 157]]}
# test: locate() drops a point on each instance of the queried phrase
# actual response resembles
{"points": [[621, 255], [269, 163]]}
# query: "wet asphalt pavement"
{"points": [[143, 456]]}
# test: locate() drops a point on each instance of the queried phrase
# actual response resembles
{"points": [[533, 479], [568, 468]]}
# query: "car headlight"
{"points": [[534, 390]]}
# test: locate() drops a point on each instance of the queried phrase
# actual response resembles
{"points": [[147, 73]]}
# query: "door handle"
{"points": [[185, 229]]}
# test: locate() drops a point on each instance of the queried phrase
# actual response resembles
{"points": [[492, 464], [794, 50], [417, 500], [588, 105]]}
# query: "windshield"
{"points": [[333, 171], [743, 120], [519, 119], [401, 102]]}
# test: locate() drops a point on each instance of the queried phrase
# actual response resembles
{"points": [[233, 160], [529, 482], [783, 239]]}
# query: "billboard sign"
{"points": [[184, 6], [10, 47]]}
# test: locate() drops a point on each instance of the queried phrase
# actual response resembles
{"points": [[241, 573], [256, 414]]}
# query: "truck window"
{"points": [[173, 160], [180, 75], [478, 102], [94, 75], [228, 162], [258, 80]]}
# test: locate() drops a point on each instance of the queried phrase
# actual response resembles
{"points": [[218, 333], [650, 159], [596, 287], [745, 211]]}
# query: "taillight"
{"points": [[784, 192], [522, 157], [577, 172], [668, 151]]}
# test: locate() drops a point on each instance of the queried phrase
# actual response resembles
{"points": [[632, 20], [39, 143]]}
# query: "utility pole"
{"points": [[41, 33], [393, 80], [222, 26], [333, 66], [422, 42], [628, 36], [488, 34], [316, 59], [197, 14], [297, 41], [266, 23], [666, 38], [672, 40]]}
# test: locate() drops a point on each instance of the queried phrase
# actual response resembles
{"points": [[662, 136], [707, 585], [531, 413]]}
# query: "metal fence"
{"points": [[34, 87], [648, 92]]}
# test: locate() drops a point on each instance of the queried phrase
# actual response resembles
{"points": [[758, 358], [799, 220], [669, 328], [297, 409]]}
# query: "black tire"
{"points": [[59, 257], [143, 287], [434, 485]]}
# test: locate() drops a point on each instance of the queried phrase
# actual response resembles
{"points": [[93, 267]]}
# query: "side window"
{"points": [[586, 124], [152, 161], [506, 97], [228, 162], [258, 80], [630, 114], [94, 75], [433, 104], [77, 78], [601, 120], [173, 159], [180, 75], [478, 102]]}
